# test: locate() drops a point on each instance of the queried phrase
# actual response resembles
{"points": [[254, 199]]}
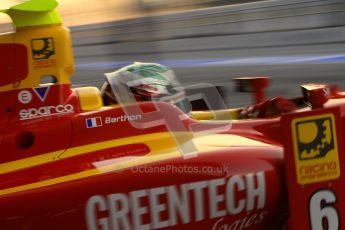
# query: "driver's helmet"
{"points": [[146, 82]]}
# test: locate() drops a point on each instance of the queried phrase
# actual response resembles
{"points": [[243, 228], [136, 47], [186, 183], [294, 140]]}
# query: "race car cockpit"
{"points": [[140, 82]]}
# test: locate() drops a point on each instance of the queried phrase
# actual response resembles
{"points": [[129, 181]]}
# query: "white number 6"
{"points": [[322, 211]]}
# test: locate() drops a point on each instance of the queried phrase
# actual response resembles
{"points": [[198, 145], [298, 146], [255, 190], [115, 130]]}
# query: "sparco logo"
{"points": [[26, 114]]}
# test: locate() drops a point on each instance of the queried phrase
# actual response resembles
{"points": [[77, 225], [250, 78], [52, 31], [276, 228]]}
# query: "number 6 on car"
{"points": [[314, 169], [321, 207]]}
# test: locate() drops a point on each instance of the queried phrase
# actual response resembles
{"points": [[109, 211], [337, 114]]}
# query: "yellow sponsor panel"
{"points": [[49, 54], [315, 148]]}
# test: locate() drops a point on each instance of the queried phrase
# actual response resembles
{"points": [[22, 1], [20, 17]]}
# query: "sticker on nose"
{"points": [[315, 148], [42, 48], [315, 138]]}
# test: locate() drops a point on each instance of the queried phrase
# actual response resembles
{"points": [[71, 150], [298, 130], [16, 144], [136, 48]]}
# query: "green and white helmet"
{"points": [[147, 82]]}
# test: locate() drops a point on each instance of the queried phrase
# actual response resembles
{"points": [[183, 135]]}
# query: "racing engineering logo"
{"points": [[42, 48], [315, 148], [43, 52], [314, 138]]}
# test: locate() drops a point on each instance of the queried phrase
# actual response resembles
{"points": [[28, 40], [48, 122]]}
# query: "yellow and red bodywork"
{"points": [[63, 154], [68, 162]]}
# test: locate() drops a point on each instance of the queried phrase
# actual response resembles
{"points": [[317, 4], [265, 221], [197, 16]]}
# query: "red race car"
{"points": [[134, 155]]}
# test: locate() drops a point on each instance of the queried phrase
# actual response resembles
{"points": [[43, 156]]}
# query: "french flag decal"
{"points": [[93, 122]]}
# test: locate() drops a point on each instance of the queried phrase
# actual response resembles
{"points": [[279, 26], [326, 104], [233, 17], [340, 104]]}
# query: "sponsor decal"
{"points": [[168, 206], [122, 118], [32, 113], [42, 92], [45, 64], [315, 148], [250, 220], [94, 122], [43, 49], [25, 96]]}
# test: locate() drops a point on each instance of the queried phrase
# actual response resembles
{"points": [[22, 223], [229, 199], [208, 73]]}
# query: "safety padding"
{"points": [[89, 98], [216, 114]]}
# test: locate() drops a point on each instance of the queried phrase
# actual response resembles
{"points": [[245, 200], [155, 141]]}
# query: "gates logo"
{"points": [[315, 148], [42, 48], [315, 138]]}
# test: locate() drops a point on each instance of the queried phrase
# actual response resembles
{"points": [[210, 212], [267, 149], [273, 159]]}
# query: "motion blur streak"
{"points": [[105, 10], [292, 41], [273, 60]]}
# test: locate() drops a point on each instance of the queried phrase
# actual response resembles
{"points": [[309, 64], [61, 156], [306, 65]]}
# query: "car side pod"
{"points": [[315, 167], [255, 85], [30, 108]]}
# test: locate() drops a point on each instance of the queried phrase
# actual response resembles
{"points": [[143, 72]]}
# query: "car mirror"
{"points": [[256, 85]]}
